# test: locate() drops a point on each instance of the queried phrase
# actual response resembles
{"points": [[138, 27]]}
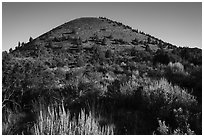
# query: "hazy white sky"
{"points": [[176, 23]]}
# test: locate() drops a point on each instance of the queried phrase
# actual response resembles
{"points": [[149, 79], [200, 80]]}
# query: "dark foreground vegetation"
{"points": [[101, 82]]}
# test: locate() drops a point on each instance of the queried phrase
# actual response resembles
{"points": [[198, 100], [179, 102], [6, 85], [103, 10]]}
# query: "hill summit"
{"points": [[87, 33]]}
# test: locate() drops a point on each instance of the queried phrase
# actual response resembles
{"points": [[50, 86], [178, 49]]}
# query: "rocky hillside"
{"points": [[83, 34]]}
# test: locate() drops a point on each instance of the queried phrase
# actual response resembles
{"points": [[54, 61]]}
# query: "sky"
{"points": [[177, 23]]}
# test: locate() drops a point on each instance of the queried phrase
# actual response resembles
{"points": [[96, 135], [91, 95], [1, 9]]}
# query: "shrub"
{"points": [[135, 42], [108, 53], [104, 41], [109, 37], [120, 41], [140, 56], [30, 39], [77, 41], [175, 73], [9, 119], [162, 93], [166, 130], [99, 54], [161, 57], [80, 61], [176, 67], [162, 98]]}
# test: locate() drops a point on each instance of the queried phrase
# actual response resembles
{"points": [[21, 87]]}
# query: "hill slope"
{"points": [[88, 32]]}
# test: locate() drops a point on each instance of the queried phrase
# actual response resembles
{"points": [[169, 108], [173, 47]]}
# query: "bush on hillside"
{"points": [[176, 67], [163, 129], [162, 98], [161, 57], [161, 93]]}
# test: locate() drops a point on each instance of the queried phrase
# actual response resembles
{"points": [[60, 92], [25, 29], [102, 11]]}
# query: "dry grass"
{"points": [[57, 121]]}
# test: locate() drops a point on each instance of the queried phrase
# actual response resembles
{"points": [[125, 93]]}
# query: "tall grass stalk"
{"points": [[57, 121]]}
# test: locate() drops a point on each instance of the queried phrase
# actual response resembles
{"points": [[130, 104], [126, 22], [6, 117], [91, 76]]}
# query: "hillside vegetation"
{"points": [[98, 76]]}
